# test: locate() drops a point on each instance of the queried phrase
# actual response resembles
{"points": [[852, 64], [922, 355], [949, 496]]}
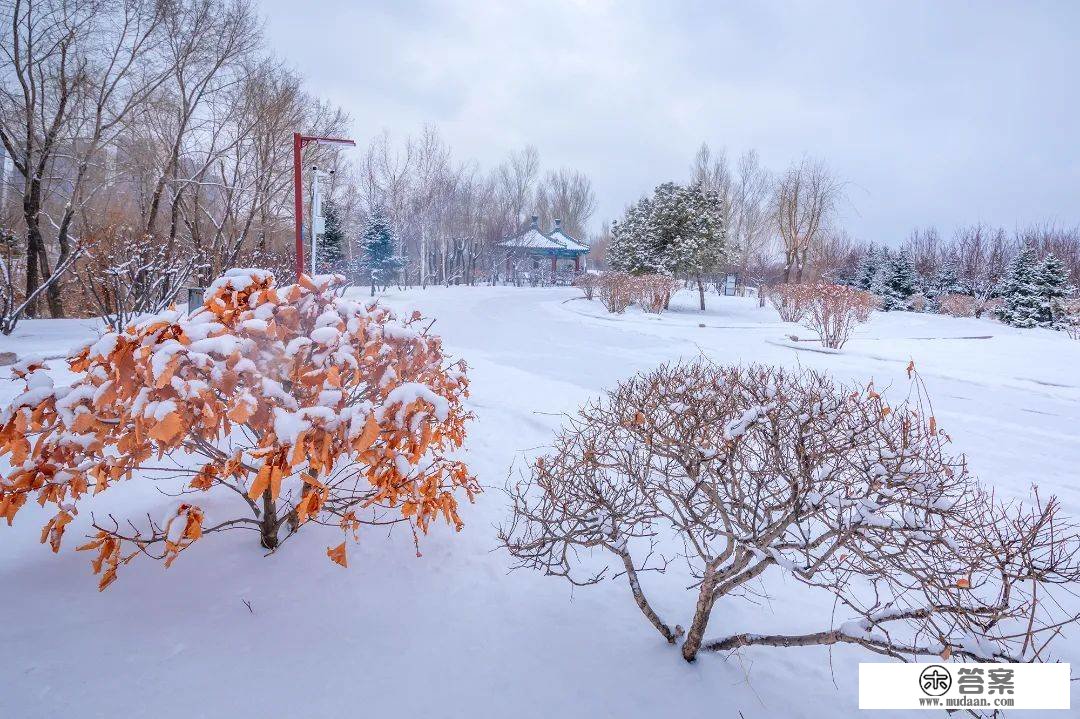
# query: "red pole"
{"points": [[298, 203], [298, 142]]}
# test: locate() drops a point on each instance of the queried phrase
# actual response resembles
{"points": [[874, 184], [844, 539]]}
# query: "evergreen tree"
{"points": [[1022, 291], [868, 268], [633, 247], [897, 282], [377, 263], [678, 231], [1053, 279], [331, 246], [946, 281]]}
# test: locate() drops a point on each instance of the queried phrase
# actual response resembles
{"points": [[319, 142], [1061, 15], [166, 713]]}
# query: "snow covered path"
{"points": [[455, 634]]}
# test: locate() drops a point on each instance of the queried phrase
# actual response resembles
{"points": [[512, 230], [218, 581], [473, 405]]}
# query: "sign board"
{"points": [[195, 298], [729, 285]]}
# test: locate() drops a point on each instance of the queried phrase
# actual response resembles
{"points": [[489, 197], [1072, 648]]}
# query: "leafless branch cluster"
{"points": [[126, 276], [587, 282], [744, 471], [450, 217], [832, 311], [616, 290], [653, 292]]}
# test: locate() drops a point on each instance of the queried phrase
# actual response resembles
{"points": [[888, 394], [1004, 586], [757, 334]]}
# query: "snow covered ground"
{"points": [[454, 633]]}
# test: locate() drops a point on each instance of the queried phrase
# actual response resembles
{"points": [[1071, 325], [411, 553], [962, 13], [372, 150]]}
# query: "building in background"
{"points": [[544, 258]]}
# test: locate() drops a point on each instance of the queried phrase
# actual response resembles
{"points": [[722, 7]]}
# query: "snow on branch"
{"points": [[744, 470], [305, 406]]}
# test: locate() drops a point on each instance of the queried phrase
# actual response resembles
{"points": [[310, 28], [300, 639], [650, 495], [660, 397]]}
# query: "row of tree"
{"points": [[786, 228], [450, 216], [150, 146]]}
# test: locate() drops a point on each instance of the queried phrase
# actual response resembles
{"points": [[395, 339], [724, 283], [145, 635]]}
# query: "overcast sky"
{"points": [[937, 113]]}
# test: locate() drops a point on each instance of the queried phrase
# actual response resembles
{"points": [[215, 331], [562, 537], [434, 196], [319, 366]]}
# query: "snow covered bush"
{"points": [[957, 305], [616, 290], [789, 300], [126, 275], [300, 405], [678, 230], [587, 282], [833, 311], [653, 292], [746, 471]]}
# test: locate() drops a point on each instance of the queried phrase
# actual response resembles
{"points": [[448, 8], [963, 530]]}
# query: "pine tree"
{"points": [[331, 246], [946, 281], [678, 231], [1022, 291], [868, 268], [633, 247], [1053, 279], [378, 264], [897, 282]]}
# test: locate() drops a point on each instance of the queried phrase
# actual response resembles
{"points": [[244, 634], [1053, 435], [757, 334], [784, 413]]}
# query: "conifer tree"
{"points": [[1053, 279], [378, 263], [1022, 291], [678, 231], [331, 245], [946, 281], [868, 268], [897, 282]]}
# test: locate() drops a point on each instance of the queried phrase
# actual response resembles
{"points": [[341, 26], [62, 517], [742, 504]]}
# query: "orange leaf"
{"points": [[368, 436], [337, 554], [262, 481], [963, 583], [168, 428], [193, 529], [275, 481], [241, 413], [946, 653]]}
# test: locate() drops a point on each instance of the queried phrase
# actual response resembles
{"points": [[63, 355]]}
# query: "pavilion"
{"points": [[535, 254]]}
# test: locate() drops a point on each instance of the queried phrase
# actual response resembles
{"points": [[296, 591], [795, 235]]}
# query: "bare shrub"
{"points": [[917, 302], [742, 471], [957, 305], [833, 311], [653, 292], [126, 275], [988, 306], [789, 301], [616, 290], [1072, 318], [587, 282]]}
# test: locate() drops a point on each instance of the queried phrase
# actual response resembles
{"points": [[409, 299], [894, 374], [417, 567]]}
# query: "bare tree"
{"points": [[40, 89], [804, 201], [566, 195], [751, 225]]}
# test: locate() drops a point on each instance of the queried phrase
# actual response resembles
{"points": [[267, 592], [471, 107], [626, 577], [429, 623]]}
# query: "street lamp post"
{"points": [[299, 142]]}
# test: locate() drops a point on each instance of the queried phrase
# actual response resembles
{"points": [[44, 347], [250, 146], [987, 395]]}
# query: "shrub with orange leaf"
{"points": [[302, 405]]}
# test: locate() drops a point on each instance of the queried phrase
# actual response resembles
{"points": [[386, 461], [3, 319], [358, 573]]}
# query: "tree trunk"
{"points": [[701, 616], [701, 293], [269, 523]]}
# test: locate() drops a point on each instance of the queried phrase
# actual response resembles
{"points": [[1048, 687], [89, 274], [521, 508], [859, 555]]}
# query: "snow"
{"points": [[486, 641]]}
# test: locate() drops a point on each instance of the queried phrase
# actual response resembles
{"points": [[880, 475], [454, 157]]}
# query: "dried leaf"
{"points": [[337, 554]]}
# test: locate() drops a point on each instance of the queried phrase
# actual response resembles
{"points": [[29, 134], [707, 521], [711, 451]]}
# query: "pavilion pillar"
{"points": [[577, 263], [554, 267]]}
